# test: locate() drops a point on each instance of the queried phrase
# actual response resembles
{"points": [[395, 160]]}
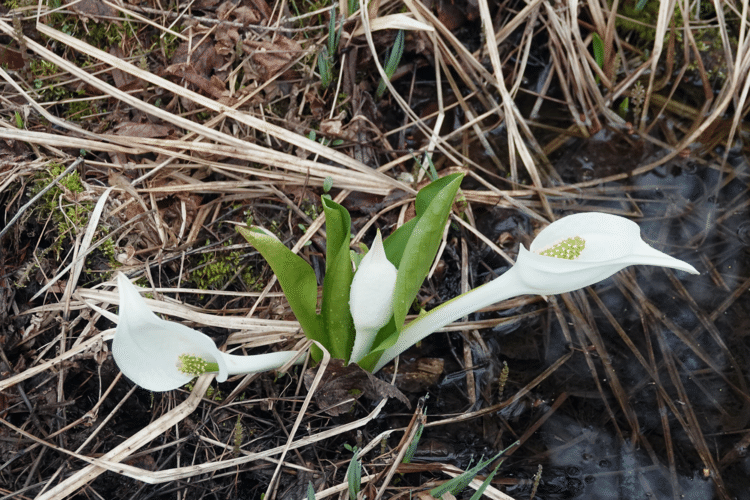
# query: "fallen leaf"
{"points": [[342, 383], [272, 57]]}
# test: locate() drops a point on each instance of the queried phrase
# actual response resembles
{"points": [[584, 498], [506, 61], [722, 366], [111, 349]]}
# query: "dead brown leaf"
{"points": [[272, 57], [342, 383], [91, 9], [418, 376]]}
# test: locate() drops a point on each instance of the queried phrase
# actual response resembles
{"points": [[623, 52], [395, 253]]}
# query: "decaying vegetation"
{"points": [[194, 117]]}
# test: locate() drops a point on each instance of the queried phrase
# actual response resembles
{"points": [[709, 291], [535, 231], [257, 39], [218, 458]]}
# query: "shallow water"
{"points": [[656, 398]]}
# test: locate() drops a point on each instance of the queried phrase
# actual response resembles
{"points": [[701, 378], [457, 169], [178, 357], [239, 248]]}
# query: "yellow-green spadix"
{"points": [[152, 351]]}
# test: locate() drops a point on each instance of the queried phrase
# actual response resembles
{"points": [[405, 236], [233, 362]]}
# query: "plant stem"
{"points": [[501, 288], [237, 365]]}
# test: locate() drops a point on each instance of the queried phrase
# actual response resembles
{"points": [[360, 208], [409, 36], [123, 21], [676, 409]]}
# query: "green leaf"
{"points": [[324, 68], [337, 320], [624, 108], [460, 482], [480, 491], [354, 475], [598, 46], [333, 35], [392, 62], [296, 277], [422, 244], [413, 445], [310, 491]]}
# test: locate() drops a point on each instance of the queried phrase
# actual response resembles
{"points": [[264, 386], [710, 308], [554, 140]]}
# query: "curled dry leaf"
{"points": [[342, 385], [272, 57]]}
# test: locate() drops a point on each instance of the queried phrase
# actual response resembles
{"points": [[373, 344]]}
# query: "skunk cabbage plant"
{"points": [[161, 355]]}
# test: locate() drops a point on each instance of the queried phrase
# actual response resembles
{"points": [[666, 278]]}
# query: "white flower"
{"points": [[158, 354], [610, 243], [371, 298], [571, 253]]}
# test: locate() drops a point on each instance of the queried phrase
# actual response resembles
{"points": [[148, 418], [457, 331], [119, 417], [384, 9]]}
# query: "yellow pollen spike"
{"points": [[569, 248], [193, 365]]}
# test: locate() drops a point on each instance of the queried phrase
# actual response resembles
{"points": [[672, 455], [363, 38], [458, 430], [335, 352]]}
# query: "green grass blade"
{"points": [[413, 445], [392, 62], [324, 68]]}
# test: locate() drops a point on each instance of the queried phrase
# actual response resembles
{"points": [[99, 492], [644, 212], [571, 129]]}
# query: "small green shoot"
{"points": [[392, 62], [238, 436], [310, 491], [431, 171], [480, 491], [354, 475], [19, 120], [598, 46], [414, 442], [640, 5], [460, 482], [624, 108], [327, 184], [325, 68], [333, 36], [352, 7]]}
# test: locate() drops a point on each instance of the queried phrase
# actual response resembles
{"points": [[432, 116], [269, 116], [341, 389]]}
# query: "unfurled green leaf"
{"points": [[296, 277], [422, 244], [337, 320]]}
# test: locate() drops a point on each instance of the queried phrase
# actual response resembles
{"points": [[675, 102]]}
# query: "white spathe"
{"points": [[146, 348], [611, 243], [371, 298]]}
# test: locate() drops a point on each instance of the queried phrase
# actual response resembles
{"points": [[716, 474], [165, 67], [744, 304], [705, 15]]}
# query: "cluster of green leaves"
{"points": [[411, 248], [325, 58], [392, 61]]}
